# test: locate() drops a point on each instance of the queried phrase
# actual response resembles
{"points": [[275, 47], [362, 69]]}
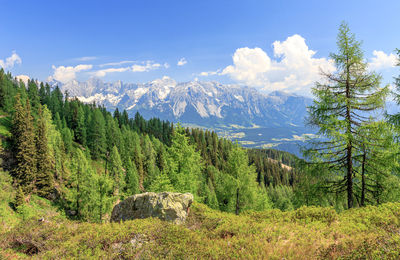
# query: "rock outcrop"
{"points": [[169, 206]]}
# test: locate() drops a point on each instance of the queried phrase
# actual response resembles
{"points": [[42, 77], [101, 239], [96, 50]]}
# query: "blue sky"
{"points": [[266, 44]]}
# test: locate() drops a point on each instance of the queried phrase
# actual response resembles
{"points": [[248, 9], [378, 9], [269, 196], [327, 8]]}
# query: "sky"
{"points": [[269, 45]]}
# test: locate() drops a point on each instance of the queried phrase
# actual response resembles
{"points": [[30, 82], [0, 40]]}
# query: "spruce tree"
{"points": [[19, 197], [341, 105], [23, 142], [80, 131], [97, 135], [116, 171], [44, 177], [185, 165], [131, 179]]}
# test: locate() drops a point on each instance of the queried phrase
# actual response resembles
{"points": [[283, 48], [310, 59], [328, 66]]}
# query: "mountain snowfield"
{"points": [[236, 112]]}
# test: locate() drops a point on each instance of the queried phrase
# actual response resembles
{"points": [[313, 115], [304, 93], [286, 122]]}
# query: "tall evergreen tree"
{"points": [[186, 165], [44, 177], [97, 135], [131, 179], [116, 171], [80, 131], [340, 107], [23, 139]]}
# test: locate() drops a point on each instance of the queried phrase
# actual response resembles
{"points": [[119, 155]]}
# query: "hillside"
{"points": [[307, 233]]}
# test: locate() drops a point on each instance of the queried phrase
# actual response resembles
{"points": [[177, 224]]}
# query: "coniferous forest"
{"points": [[70, 162]]}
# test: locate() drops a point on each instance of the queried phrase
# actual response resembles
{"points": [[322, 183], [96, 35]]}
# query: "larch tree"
{"points": [[342, 104]]}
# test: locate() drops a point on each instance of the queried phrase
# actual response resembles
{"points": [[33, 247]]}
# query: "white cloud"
{"points": [[147, 66], [382, 60], [65, 74], [102, 73], [294, 67], [209, 73], [144, 67], [181, 62], [117, 63], [86, 58], [10, 61]]}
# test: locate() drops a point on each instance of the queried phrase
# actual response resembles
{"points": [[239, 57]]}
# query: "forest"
{"points": [[85, 159], [82, 159]]}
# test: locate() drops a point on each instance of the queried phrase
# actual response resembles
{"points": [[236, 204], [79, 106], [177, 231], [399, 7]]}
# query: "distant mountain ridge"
{"points": [[254, 119], [206, 104]]}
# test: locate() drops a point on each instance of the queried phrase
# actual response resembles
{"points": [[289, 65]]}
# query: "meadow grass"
{"points": [[372, 232]]}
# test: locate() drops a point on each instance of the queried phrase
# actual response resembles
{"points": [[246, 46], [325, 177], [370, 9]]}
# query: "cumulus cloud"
{"points": [[10, 61], [382, 60], [181, 62], [66, 74], [293, 67]]}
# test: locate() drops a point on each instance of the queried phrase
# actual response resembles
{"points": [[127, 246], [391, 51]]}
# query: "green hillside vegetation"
{"points": [[306, 233], [65, 164]]}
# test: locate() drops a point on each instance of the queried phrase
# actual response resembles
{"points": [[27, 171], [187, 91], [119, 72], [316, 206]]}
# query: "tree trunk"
{"points": [[349, 158], [237, 201], [363, 180]]}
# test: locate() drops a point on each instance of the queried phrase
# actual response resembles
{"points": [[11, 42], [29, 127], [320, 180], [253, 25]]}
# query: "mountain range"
{"points": [[235, 112]]}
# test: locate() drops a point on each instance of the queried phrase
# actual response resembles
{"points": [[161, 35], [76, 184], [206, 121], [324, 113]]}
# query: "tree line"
{"points": [[86, 158]]}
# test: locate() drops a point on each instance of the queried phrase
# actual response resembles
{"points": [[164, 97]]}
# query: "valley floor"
{"points": [[307, 233]]}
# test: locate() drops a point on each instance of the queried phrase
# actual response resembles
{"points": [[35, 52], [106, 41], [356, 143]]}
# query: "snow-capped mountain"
{"points": [[236, 112], [201, 103]]}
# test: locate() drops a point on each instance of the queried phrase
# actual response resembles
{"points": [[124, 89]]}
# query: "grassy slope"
{"points": [[307, 233]]}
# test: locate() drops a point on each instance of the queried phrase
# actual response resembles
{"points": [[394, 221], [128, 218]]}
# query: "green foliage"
{"points": [[344, 103], [23, 144], [45, 175], [281, 197], [307, 233], [116, 171], [131, 179], [19, 197], [185, 165], [96, 135], [161, 183]]}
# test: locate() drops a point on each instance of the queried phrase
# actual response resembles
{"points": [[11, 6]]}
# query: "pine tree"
{"points": [[19, 197], [33, 95], [131, 179], [116, 171], [80, 131], [241, 180], [104, 200], [340, 106], [44, 177], [23, 140], [161, 184], [97, 135], [185, 164]]}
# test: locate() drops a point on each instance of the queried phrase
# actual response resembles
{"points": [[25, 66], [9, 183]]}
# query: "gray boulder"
{"points": [[169, 206]]}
